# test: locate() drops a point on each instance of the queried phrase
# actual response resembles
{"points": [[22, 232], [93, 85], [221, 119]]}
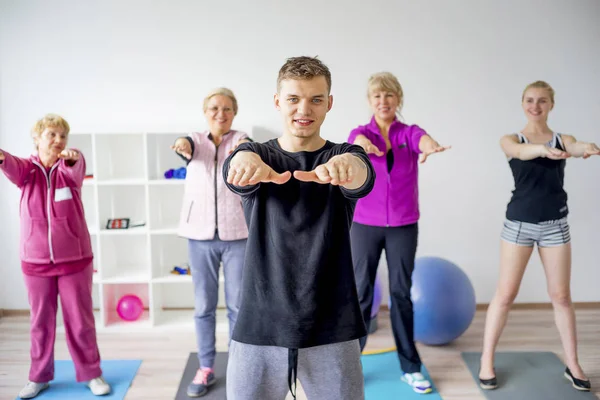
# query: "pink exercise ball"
{"points": [[130, 307]]}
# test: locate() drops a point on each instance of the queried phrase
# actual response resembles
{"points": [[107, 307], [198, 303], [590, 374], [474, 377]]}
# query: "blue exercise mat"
{"points": [[118, 374], [382, 379]]}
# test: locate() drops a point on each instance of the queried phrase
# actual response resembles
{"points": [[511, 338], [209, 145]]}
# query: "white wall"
{"points": [[146, 65]]}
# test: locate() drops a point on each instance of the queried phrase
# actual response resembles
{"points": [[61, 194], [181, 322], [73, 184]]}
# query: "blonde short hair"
{"points": [[222, 92], [49, 121], [386, 81], [539, 85]]}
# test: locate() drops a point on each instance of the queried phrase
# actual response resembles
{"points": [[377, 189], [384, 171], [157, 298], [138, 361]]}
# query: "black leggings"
{"points": [[400, 244]]}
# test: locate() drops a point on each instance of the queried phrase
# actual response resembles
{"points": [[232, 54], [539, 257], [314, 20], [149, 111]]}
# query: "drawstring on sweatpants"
{"points": [[292, 370]]}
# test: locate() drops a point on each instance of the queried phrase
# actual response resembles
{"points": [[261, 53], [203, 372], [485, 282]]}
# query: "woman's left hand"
{"points": [[436, 148], [591, 149]]}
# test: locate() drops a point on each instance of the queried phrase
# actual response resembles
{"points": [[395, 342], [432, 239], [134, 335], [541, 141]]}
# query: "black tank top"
{"points": [[539, 194]]}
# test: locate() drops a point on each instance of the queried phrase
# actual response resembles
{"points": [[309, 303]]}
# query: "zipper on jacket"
{"points": [[389, 182], [387, 197], [48, 196], [387, 201], [216, 209], [189, 212]]}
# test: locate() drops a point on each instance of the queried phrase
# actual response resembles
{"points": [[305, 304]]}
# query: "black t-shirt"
{"points": [[539, 194], [298, 287]]}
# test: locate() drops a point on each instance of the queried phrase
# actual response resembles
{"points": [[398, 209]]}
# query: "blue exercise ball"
{"points": [[443, 301]]}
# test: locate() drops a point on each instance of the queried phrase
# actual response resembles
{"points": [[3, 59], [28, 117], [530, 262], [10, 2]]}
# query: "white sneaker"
{"points": [[418, 382], [32, 389], [98, 386]]}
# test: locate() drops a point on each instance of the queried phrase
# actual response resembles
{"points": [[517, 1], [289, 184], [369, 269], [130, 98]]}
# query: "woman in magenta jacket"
{"points": [[388, 217], [56, 254]]}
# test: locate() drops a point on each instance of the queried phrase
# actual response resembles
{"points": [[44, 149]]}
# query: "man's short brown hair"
{"points": [[303, 68]]}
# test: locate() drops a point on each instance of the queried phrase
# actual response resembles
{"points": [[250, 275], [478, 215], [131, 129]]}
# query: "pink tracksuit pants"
{"points": [[76, 301]]}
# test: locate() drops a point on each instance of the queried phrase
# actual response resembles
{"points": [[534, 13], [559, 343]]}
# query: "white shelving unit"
{"points": [[128, 182]]}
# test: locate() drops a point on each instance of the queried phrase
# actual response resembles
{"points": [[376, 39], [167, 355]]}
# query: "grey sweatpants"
{"points": [[331, 372]]}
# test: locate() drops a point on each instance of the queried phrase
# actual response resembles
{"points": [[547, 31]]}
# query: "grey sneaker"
{"points": [[203, 379], [32, 389], [98, 386]]}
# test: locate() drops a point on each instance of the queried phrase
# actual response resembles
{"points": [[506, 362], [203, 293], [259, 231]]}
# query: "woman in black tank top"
{"points": [[537, 213]]}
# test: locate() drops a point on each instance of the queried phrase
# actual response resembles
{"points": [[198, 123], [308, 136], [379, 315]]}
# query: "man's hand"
{"points": [[247, 168], [340, 170], [182, 146]]}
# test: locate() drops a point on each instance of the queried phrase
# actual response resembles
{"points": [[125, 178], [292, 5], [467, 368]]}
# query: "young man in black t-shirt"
{"points": [[299, 308]]}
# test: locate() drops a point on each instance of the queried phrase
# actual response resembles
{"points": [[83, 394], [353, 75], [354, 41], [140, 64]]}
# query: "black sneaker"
{"points": [[579, 384], [488, 384]]}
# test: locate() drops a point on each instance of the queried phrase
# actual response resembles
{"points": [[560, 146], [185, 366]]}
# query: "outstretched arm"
{"points": [[345, 170], [184, 147], [428, 146], [580, 149], [14, 168], [526, 151], [72, 166], [367, 145], [246, 168]]}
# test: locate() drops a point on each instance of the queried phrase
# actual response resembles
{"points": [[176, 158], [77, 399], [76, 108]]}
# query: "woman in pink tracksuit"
{"points": [[213, 221], [56, 254]]}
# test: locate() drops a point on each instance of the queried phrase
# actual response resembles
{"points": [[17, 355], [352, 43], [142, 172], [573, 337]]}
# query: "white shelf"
{"points": [[168, 182], [121, 182], [127, 277], [131, 184], [140, 230], [168, 231], [172, 278]]}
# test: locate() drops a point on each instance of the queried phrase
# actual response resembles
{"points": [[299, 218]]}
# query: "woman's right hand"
{"points": [[1, 156], [553, 153], [182, 146], [367, 145]]}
